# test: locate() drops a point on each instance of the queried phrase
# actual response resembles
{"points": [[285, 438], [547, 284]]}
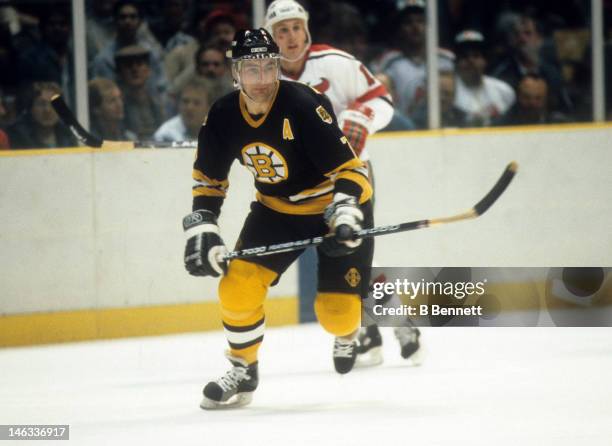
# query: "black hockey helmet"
{"points": [[253, 44]]}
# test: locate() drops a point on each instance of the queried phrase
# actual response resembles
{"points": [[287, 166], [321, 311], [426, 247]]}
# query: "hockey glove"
{"points": [[355, 123], [205, 248], [344, 219]]}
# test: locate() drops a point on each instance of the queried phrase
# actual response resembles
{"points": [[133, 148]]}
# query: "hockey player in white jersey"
{"points": [[361, 102]]}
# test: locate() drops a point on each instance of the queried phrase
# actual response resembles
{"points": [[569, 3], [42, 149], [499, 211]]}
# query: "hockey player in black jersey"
{"points": [[309, 182]]}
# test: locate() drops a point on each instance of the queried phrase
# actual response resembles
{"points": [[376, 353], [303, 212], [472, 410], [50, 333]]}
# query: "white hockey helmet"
{"points": [[280, 10]]}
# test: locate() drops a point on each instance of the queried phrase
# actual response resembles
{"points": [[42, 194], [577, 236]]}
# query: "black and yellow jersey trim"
{"points": [[208, 187], [247, 116]]}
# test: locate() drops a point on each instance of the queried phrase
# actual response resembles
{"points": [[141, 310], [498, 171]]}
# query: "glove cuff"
{"points": [[200, 221], [358, 113], [199, 217]]}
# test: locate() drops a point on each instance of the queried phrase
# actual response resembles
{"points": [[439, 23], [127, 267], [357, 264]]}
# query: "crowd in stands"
{"points": [[156, 67]]}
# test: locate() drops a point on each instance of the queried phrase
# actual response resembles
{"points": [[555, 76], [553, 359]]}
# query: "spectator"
{"points": [[39, 126], [100, 30], [532, 104], [450, 115], [406, 66], [193, 107], [50, 60], [169, 29], [128, 20], [107, 111], [524, 57], [482, 98], [211, 70], [4, 141], [100, 27], [218, 26], [143, 108], [9, 78], [399, 121]]}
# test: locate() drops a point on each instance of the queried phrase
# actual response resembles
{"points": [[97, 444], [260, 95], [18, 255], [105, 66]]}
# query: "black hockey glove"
{"points": [[344, 218], [205, 248]]}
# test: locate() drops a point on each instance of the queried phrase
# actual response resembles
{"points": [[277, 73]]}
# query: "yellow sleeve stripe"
{"points": [[207, 192], [353, 163], [207, 181]]}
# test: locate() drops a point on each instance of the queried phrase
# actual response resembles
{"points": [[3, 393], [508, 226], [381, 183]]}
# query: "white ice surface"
{"points": [[477, 386]]}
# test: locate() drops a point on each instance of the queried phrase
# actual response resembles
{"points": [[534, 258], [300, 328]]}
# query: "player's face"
{"points": [[258, 78], [290, 36]]}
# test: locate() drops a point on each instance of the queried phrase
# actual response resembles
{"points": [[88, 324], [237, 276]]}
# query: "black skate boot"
{"points": [[234, 389], [345, 352], [408, 338], [369, 348]]}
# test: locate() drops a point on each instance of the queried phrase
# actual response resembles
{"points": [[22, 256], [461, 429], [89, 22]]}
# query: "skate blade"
{"points": [[238, 400], [371, 358]]}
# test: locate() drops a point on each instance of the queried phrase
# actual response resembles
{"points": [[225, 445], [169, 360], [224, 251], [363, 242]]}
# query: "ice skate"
{"points": [[345, 353], [369, 347], [234, 389], [411, 349]]}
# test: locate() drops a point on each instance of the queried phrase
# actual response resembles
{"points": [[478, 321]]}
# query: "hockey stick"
{"points": [[68, 118], [480, 208]]}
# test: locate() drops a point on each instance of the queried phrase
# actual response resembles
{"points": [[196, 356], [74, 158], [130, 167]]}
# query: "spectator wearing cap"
{"points": [[39, 126], [525, 57], [406, 63], [106, 111], [218, 28], [193, 108], [128, 20], [532, 104], [482, 98], [143, 109]]}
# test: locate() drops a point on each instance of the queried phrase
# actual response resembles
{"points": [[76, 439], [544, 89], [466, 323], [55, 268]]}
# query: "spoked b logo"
{"points": [[265, 163]]}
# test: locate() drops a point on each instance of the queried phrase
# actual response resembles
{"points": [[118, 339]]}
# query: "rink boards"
{"points": [[91, 242]]}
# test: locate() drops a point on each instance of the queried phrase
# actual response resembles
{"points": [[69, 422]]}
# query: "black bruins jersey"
{"points": [[296, 152]]}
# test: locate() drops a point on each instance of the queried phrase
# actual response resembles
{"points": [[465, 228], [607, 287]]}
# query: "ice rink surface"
{"points": [[477, 386]]}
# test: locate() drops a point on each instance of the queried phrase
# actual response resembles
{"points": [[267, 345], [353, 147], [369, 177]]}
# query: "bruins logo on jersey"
{"points": [[352, 277], [324, 115], [265, 163]]}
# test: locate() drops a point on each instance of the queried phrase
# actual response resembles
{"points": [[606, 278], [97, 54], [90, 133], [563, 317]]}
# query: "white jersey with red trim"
{"points": [[344, 80]]}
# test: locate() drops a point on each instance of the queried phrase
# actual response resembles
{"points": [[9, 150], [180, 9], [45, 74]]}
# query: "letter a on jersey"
{"points": [[287, 132]]}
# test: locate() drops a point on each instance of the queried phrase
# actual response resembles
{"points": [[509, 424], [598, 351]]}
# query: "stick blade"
{"points": [[504, 181], [68, 118]]}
